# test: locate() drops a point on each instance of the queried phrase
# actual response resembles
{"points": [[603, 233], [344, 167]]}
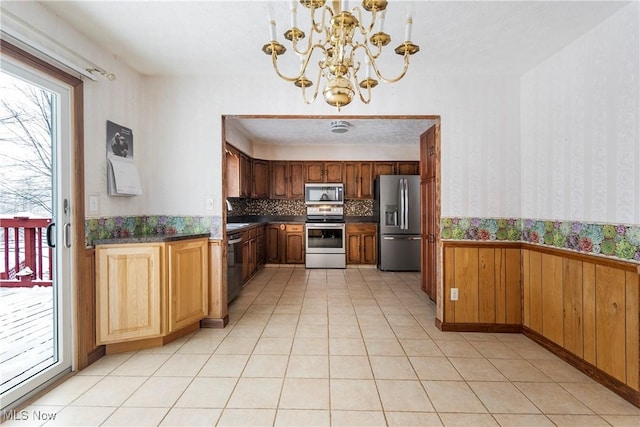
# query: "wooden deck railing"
{"points": [[24, 248]]}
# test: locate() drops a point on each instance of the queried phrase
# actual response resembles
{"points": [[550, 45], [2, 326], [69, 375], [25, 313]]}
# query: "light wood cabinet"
{"points": [[130, 282], [187, 282], [150, 290], [362, 242], [323, 171], [260, 179], [287, 180], [358, 180]]}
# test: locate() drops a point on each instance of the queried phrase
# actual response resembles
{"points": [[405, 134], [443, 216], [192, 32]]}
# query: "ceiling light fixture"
{"points": [[339, 126], [346, 42]]}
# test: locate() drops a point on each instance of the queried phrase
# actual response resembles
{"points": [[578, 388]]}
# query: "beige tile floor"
{"points": [[334, 347]]}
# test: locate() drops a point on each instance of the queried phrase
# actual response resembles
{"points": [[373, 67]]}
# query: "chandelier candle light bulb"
{"points": [[340, 38]]}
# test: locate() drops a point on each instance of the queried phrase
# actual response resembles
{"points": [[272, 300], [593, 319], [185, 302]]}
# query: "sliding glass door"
{"points": [[35, 231]]}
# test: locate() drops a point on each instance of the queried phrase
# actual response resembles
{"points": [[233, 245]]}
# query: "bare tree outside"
{"points": [[26, 128]]}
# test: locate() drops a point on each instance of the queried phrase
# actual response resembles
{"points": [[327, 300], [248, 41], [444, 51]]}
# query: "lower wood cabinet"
{"points": [[150, 290], [362, 241], [284, 244]]}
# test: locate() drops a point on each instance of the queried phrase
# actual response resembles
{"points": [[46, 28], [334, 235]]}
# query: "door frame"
{"points": [[438, 208], [82, 281]]}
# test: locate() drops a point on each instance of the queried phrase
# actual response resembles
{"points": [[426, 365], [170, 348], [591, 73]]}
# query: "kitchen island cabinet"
{"points": [[150, 293]]}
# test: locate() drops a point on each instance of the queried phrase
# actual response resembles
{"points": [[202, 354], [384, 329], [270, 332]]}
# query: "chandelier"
{"points": [[343, 42]]}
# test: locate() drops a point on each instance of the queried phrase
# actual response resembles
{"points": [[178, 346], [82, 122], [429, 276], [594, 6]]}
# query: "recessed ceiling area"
{"points": [[317, 130]]}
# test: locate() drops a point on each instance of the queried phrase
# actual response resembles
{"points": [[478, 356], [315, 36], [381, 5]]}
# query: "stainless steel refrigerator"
{"points": [[397, 210]]}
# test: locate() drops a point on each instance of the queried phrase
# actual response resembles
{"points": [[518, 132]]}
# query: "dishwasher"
{"points": [[234, 265]]}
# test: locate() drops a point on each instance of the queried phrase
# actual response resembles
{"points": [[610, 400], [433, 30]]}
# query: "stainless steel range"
{"points": [[325, 238]]}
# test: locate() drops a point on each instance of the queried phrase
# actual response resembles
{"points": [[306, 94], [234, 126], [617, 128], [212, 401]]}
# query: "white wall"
{"points": [[119, 101], [178, 136], [580, 119], [480, 136]]}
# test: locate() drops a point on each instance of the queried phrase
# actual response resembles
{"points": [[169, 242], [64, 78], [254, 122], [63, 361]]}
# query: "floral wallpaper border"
{"points": [[612, 240], [125, 226]]}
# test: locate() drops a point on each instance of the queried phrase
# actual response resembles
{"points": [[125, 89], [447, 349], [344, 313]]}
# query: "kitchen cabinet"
{"points": [[294, 242], [287, 180], [362, 243], [358, 180], [252, 251], [260, 179], [407, 168], [285, 243], [323, 171], [384, 168], [187, 277], [272, 239], [149, 290], [238, 173]]}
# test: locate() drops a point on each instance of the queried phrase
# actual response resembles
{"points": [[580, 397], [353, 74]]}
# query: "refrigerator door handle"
{"points": [[400, 238], [406, 203], [401, 185]]}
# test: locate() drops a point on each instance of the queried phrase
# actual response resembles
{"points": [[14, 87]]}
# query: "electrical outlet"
{"points": [[454, 294], [208, 204]]}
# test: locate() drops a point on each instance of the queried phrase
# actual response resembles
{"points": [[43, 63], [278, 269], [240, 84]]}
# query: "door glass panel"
{"points": [[34, 344]]}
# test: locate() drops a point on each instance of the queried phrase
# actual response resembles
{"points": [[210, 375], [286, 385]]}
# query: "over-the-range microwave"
{"points": [[324, 194]]}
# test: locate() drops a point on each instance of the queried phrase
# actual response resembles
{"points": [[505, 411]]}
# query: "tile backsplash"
{"points": [[292, 207]]}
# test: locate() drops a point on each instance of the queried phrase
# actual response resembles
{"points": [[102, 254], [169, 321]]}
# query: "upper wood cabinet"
{"points": [[358, 180], [428, 153], [287, 180], [238, 173], [407, 168], [260, 179], [384, 168], [323, 171]]}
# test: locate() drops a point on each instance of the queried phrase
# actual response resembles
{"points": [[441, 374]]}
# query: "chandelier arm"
{"points": [[365, 31], [303, 68], [393, 80], [362, 98], [274, 60], [316, 90]]}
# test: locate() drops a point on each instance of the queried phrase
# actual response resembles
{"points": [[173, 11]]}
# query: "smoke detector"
{"points": [[339, 126]]}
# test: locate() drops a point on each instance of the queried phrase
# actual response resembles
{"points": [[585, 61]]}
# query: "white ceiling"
{"points": [[195, 37]]}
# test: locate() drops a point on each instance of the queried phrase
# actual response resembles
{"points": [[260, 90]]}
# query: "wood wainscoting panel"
{"points": [[535, 291], [589, 311], [526, 289], [632, 329], [513, 299], [610, 318], [572, 304], [487, 284], [466, 280], [449, 263], [552, 298]]}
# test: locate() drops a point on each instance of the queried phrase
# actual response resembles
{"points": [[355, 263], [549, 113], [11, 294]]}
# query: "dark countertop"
{"points": [[150, 238], [249, 221]]}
